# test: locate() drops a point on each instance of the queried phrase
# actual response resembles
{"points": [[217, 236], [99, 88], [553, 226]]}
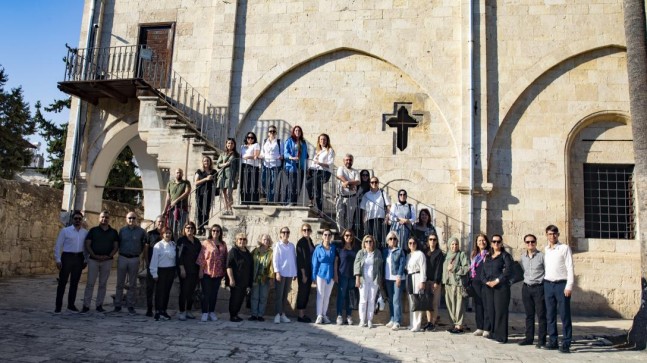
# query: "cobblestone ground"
{"points": [[29, 332]]}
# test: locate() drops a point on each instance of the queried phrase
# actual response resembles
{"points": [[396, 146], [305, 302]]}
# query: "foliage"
{"points": [[15, 122], [55, 137], [124, 173]]}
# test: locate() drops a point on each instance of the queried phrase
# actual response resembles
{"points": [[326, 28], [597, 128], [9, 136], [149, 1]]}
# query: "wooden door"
{"points": [[156, 53]]}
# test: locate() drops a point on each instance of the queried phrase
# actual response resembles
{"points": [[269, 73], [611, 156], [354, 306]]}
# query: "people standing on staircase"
{"points": [[375, 204], [70, 260], [401, 217], [320, 171], [132, 239], [227, 167], [177, 202], [347, 196], [205, 185], [250, 186], [296, 157], [272, 155]]}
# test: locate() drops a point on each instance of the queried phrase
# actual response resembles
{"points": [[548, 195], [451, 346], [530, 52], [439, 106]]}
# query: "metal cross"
{"points": [[401, 120]]}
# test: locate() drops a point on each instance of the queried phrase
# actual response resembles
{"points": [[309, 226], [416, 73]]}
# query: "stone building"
{"points": [[522, 108]]}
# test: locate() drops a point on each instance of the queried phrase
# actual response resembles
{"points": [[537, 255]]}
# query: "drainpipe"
{"points": [[472, 120], [77, 127]]}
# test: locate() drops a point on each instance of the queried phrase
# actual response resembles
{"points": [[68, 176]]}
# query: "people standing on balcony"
{"points": [[70, 260], [394, 278], [401, 217], [497, 271], [212, 262], [250, 153], [345, 277], [347, 196], [177, 202], [101, 244], [284, 261], [296, 157], [163, 270], [320, 171], [189, 248], [272, 155], [480, 251], [205, 184], [324, 274], [455, 268], [375, 204], [152, 238], [240, 272], [435, 259], [227, 167], [263, 276], [423, 228], [416, 277], [132, 239], [304, 251], [368, 270]]}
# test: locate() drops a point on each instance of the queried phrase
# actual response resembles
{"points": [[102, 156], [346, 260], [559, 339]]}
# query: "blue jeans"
{"points": [[556, 301], [395, 300], [268, 180], [343, 302], [259, 298]]}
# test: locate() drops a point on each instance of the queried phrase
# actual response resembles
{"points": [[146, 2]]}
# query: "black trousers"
{"points": [[236, 297], [376, 228], [187, 287], [534, 303], [250, 184], [150, 289], [303, 292], [72, 264], [165, 277], [295, 179], [482, 319], [203, 201], [315, 185], [210, 286], [497, 300]]}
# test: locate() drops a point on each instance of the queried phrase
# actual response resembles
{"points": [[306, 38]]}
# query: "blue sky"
{"points": [[32, 46]]}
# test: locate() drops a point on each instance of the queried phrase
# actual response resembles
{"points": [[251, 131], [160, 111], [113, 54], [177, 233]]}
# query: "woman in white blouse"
{"points": [[320, 170], [162, 268], [272, 155], [250, 152], [416, 278]]}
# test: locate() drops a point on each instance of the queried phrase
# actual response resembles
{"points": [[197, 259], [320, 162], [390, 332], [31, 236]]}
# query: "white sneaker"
{"points": [[189, 315], [284, 319], [213, 317], [205, 317], [277, 319], [326, 320], [478, 332], [362, 323], [389, 324], [370, 324], [486, 334], [319, 319], [415, 330], [182, 316], [396, 326], [349, 320], [340, 320]]}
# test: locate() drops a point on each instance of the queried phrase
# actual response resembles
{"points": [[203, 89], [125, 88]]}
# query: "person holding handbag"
{"points": [[368, 269], [416, 278], [455, 269]]}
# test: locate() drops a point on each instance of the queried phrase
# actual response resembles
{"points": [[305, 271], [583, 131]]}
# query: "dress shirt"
{"points": [[533, 268], [285, 259], [69, 240], [132, 240], [271, 153], [163, 256], [558, 261], [249, 150], [349, 175], [324, 156], [374, 202]]}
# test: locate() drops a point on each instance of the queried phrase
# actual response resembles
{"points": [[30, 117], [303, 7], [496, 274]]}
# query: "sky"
{"points": [[32, 47]]}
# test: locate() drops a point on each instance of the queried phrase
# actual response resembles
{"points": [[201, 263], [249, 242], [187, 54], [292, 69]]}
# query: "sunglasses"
{"points": [[242, 239], [285, 232], [348, 235], [78, 219], [369, 241], [272, 131], [216, 230], [412, 243], [392, 239], [497, 242], [306, 230], [402, 195], [250, 137], [131, 218], [374, 182], [529, 242], [433, 239]]}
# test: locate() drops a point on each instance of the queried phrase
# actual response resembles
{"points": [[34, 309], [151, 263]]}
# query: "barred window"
{"points": [[609, 201]]}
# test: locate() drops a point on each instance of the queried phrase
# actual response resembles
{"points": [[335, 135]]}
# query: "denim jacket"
{"points": [[398, 261], [292, 166]]}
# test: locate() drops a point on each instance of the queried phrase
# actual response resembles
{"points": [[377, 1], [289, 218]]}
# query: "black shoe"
{"points": [[304, 319], [100, 309], [525, 342], [252, 318], [235, 319], [456, 331], [260, 318], [57, 311], [164, 315], [157, 317], [85, 310], [72, 308], [540, 345], [564, 349], [132, 311], [117, 309], [149, 313], [430, 327], [551, 346]]}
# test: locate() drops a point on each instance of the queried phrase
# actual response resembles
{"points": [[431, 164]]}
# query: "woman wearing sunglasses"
{"points": [[249, 180], [212, 261], [497, 269], [345, 278], [305, 248], [455, 268], [324, 274], [368, 270], [394, 278]]}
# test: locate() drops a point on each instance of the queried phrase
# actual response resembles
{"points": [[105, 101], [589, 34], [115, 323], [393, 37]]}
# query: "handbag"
{"points": [[423, 301], [517, 273], [353, 298], [197, 296]]}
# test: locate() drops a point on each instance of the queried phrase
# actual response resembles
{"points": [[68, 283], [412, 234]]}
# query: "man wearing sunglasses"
{"points": [[375, 203], [532, 292], [132, 239], [70, 260]]}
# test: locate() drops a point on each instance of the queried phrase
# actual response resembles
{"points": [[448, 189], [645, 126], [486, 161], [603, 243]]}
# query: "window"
{"points": [[608, 201]]}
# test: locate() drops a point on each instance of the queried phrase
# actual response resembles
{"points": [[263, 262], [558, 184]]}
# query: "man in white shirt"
{"points": [[558, 287], [70, 260], [347, 197], [375, 204]]}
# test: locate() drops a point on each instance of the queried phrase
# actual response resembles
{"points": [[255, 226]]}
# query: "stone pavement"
{"points": [[29, 332]]}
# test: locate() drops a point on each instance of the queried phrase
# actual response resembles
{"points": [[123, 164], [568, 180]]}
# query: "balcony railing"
{"points": [[140, 63]]}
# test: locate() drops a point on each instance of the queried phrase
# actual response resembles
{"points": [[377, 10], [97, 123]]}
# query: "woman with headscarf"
{"points": [[402, 215], [455, 268]]}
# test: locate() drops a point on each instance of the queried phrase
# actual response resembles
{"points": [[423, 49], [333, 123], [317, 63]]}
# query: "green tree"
{"points": [[15, 123], [124, 175], [55, 137]]}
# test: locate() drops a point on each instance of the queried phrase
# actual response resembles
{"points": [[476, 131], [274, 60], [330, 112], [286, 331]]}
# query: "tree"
{"points": [[15, 122], [55, 137], [124, 174], [635, 29]]}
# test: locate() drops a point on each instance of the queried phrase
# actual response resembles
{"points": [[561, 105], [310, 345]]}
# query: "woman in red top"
{"points": [[212, 261]]}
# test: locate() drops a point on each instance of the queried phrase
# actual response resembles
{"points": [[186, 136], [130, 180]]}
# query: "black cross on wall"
{"points": [[402, 119]]}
